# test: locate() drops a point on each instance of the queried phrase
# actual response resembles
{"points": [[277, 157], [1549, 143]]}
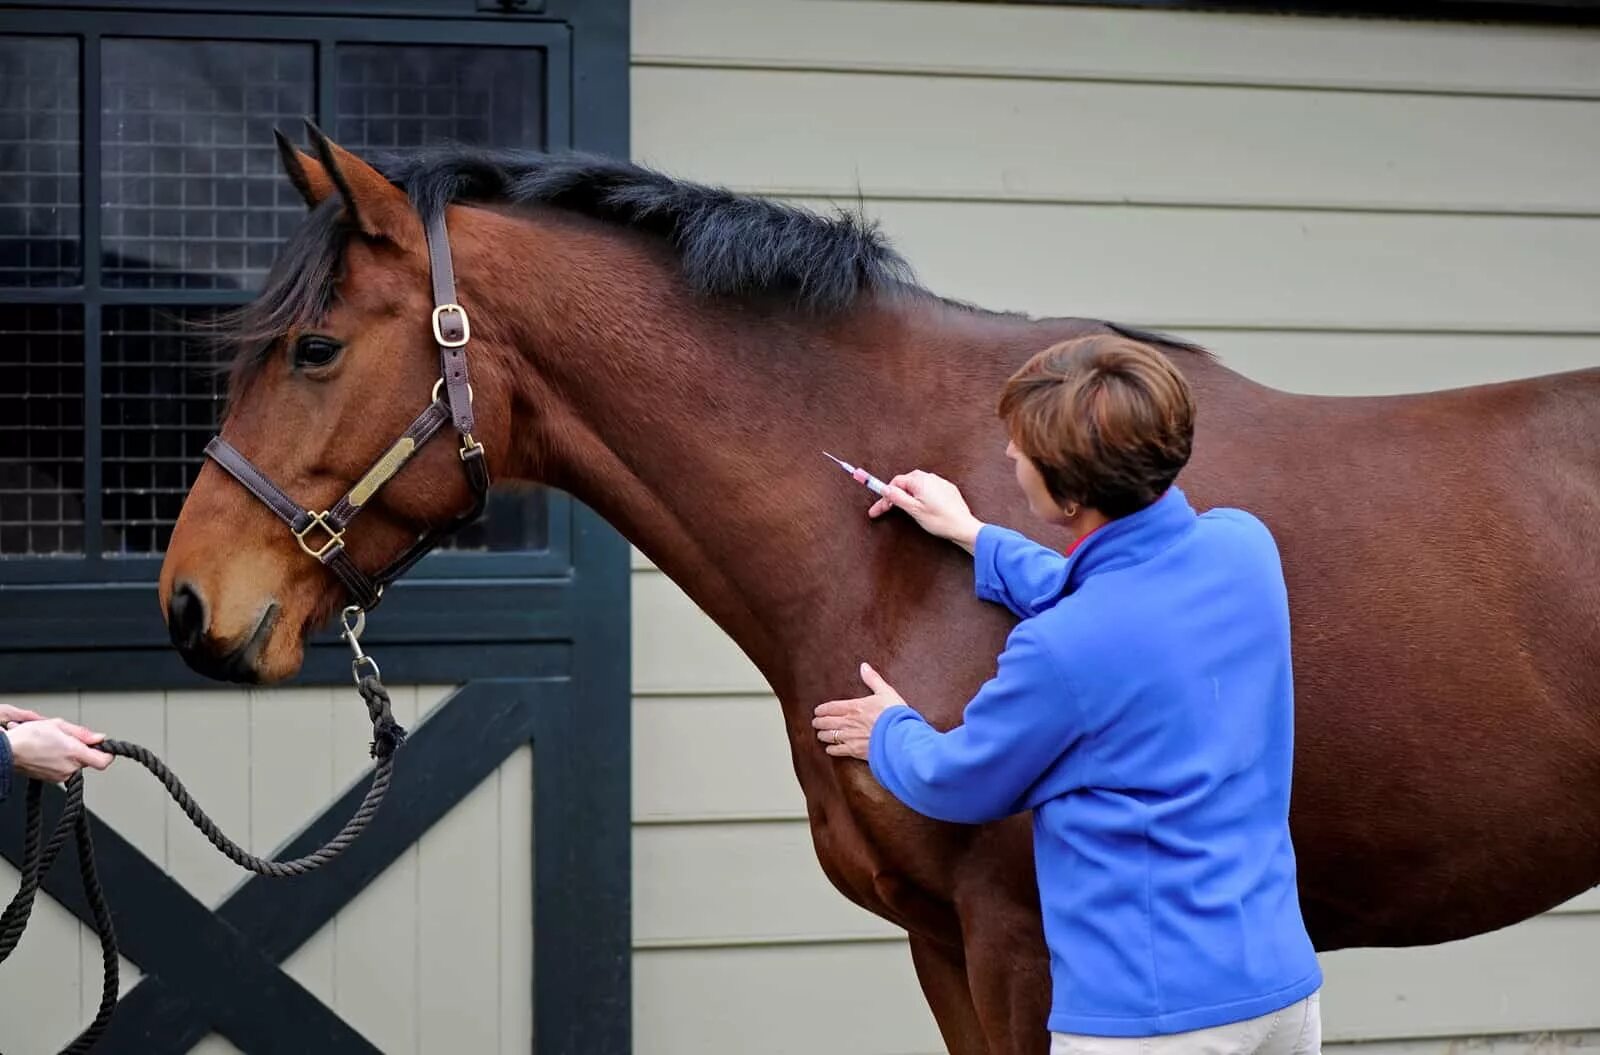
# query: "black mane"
{"points": [[730, 245]]}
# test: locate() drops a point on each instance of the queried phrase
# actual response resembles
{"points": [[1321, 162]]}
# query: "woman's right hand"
{"points": [[53, 749], [933, 502]]}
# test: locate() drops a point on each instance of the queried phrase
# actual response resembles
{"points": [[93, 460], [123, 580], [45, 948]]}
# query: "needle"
{"points": [[875, 485]]}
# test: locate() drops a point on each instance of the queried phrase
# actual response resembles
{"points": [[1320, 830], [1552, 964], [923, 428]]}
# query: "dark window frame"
{"points": [[39, 593]]}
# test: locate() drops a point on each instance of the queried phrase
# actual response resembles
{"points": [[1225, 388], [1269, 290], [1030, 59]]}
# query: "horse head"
{"points": [[337, 374]]}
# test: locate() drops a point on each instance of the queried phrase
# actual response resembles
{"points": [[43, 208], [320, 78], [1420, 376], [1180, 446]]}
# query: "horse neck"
{"points": [[697, 430]]}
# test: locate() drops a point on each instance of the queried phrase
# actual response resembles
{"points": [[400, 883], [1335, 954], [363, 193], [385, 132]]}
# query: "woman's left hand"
{"points": [[845, 726]]}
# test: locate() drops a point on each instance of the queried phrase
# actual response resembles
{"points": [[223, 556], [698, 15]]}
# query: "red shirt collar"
{"points": [[1079, 542]]}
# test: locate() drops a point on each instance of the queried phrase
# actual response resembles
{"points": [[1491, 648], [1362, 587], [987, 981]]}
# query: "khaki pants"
{"points": [[1296, 1030]]}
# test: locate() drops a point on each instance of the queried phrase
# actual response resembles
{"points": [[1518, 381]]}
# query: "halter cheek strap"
{"points": [[321, 535], [451, 330]]}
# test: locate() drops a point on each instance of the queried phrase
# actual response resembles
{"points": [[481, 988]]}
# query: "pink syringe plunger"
{"points": [[875, 485]]}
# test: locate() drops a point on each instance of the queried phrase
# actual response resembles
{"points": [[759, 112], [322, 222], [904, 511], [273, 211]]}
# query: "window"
{"points": [[143, 193]]}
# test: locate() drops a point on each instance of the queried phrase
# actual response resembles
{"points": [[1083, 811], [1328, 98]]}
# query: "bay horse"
{"points": [[677, 356]]}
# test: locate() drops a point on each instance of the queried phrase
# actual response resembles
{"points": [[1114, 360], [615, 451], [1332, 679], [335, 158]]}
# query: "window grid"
{"points": [[191, 198], [392, 97], [194, 197], [41, 430], [162, 394], [40, 243]]}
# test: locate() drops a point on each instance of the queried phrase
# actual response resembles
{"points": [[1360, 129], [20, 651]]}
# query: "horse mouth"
{"points": [[242, 665]]}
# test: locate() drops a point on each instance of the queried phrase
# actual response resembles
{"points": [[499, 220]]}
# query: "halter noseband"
{"points": [[321, 535]]}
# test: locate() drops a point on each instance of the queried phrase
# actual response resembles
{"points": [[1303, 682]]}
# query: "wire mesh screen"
{"points": [[39, 184], [395, 97], [41, 430], [194, 197], [161, 399]]}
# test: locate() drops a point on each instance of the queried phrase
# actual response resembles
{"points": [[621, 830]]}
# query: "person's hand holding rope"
{"points": [[49, 749]]}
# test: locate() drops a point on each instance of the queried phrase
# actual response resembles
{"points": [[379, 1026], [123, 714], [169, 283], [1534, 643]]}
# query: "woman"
{"points": [[1142, 709]]}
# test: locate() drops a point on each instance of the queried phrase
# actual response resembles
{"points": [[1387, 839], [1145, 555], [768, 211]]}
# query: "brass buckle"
{"points": [[469, 446], [466, 328], [319, 520]]}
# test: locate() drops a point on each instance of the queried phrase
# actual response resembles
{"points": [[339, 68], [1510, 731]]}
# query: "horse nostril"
{"points": [[186, 617]]}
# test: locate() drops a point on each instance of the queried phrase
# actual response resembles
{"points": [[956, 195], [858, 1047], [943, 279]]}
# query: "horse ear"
{"points": [[305, 172], [377, 207]]}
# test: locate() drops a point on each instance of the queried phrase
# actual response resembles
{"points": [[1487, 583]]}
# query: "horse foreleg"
{"points": [[942, 972], [1008, 975]]}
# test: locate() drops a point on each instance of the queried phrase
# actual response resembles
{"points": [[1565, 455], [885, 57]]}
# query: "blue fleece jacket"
{"points": [[1143, 709]]}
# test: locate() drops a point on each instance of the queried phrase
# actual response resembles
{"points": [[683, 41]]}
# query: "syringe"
{"points": [[875, 485]]}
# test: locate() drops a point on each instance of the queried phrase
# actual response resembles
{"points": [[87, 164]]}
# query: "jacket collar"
{"points": [[1132, 539]]}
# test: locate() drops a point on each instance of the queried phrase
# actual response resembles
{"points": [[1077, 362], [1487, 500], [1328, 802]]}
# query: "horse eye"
{"points": [[310, 351]]}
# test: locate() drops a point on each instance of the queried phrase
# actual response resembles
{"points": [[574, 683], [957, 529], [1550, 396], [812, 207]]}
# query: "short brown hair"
{"points": [[1108, 421]]}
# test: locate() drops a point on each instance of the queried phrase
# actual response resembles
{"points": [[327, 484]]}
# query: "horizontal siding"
{"points": [[1081, 42], [849, 999], [1589, 901], [1538, 975], [1364, 364], [806, 133], [844, 998], [683, 771], [696, 658], [739, 884], [1179, 267]]}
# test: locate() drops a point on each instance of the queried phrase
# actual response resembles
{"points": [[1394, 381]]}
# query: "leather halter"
{"points": [[321, 535]]}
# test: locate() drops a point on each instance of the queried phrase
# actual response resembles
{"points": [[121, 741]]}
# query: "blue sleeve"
{"points": [[5, 766], [1017, 572], [1016, 727]]}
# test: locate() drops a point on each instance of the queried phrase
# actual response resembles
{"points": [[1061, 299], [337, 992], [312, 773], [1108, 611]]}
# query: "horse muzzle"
{"points": [[189, 626]]}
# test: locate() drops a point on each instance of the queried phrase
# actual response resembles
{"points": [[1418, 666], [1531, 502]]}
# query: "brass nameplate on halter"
{"points": [[379, 474]]}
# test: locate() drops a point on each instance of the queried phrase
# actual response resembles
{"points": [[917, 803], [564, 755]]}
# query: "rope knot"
{"points": [[387, 734]]}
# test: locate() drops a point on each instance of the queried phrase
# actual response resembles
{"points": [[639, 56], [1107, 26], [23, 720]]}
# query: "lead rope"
{"points": [[38, 855]]}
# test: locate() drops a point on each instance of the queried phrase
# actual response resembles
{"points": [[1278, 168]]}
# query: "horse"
{"points": [[676, 356]]}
